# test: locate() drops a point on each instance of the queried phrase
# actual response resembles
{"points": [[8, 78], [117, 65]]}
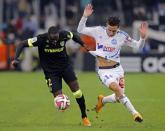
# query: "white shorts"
{"points": [[107, 76]]}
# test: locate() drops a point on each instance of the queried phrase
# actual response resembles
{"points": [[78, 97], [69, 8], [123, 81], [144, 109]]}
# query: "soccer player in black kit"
{"points": [[55, 63]]}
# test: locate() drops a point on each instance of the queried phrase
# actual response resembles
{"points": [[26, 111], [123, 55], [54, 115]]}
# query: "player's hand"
{"points": [[86, 47], [143, 30], [88, 10], [15, 63]]}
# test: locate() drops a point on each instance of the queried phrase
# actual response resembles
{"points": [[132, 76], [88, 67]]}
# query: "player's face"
{"points": [[54, 37], [111, 30]]}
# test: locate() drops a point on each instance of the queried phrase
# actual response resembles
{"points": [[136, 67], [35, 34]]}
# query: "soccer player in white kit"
{"points": [[109, 41]]}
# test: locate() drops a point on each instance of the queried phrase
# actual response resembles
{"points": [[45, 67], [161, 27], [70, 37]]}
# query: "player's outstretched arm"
{"points": [[19, 49], [77, 39], [82, 28], [143, 30]]}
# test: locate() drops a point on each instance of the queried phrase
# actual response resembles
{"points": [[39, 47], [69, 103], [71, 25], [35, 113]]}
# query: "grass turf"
{"points": [[27, 105]]}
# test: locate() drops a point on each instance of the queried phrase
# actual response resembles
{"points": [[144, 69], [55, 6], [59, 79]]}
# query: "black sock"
{"points": [[82, 106]]}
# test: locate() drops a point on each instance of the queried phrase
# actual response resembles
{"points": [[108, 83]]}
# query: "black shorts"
{"points": [[54, 80]]}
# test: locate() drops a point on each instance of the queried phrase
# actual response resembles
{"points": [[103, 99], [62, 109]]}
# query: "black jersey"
{"points": [[53, 56]]}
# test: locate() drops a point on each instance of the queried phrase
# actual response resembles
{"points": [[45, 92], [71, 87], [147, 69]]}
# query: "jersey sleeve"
{"points": [[132, 42], [66, 35], [33, 41], [91, 31]]}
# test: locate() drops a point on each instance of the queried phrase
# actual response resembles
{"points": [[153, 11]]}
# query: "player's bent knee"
{"points": [[77, 94], [114, 87], [73, 86]]}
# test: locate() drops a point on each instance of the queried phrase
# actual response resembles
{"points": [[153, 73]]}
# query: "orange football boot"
{"points": [[86, 121], [99, 103]]}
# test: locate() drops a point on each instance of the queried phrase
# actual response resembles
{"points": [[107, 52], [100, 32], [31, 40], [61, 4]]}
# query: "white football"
{"points": [[61, 102]]}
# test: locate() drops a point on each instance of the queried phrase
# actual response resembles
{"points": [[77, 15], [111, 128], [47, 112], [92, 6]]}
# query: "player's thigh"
{"points": [[70, 78], [69, 74], [54, 83], [107, 77]]}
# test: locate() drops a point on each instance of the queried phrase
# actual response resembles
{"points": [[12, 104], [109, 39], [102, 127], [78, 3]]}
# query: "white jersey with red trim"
{"points": [[108, 47]]}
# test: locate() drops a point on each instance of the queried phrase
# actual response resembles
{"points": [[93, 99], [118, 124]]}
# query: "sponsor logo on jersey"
{"points": [[108, 48], [105, 48], [99, 46], [54, 50]]}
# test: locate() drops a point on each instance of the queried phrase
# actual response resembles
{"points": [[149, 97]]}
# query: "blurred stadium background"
{"points": [[21, 19], [25, 103]]}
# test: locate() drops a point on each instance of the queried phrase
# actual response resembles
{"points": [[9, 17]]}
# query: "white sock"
{"points": [[109, 99], [126, 102]]}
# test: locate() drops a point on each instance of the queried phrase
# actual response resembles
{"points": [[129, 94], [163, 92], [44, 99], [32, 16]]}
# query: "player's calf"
{"points": [[81, 102]]}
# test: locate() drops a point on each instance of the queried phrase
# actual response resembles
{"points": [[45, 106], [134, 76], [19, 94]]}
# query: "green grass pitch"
{"points": [[27, 105]]}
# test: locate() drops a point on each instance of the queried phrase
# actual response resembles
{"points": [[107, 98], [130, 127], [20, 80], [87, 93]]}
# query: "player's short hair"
{"points": [[113, 21], [53, 30]]}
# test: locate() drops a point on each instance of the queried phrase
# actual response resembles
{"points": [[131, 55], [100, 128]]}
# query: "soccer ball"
{"points": [[61, 102]]}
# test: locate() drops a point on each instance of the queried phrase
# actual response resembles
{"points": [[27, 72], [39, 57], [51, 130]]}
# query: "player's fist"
{"points": [[86, 47], [15, 63], [88, 10]]}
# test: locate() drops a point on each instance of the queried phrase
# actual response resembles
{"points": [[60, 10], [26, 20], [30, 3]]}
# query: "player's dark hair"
{"points": [[113, 21], [53, 30]]}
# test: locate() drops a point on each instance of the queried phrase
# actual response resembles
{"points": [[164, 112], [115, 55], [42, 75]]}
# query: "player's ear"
{"points": [[107, 24]]}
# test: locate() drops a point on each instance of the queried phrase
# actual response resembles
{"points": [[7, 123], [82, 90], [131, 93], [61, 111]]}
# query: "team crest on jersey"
{"points": [[100, 37], [114, 41], [62, 43]]}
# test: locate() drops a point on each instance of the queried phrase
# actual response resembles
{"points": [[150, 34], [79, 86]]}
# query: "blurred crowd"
{"points": [[21, 19]]}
